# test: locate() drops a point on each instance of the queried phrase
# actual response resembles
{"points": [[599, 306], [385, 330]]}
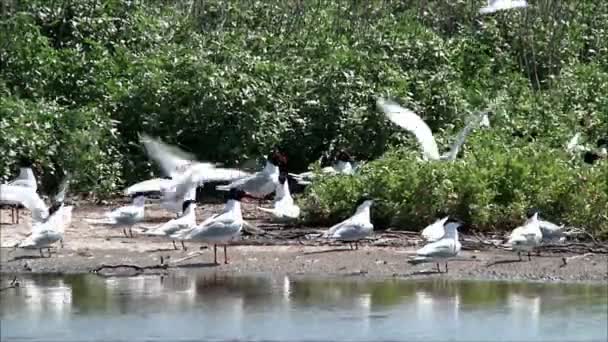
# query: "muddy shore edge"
{"points": [[274, 249]]}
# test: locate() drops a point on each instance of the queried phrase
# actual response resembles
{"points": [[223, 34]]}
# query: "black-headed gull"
{"points": [[526, 237], [500, 5], [446, 247], [185, 222], [219, 228], [356, 227], [411, 122], [124, 217], [263, 182], [284, 209]]}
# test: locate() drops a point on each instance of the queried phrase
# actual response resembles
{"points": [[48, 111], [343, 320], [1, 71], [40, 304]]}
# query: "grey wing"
{"points": [[350, 231], [473, 121], [258, 183], [438, 249]]}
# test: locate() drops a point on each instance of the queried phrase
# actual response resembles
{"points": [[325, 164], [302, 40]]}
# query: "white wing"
{"points": [[26, 197], [434, 231], [497, 5], [473, 121], [150, 185], [171, 159], [411, 122], [439, 249], [207, 172], [25, 178]]}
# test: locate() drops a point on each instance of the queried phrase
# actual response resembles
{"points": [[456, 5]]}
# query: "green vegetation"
{"points": [[230, 79]]}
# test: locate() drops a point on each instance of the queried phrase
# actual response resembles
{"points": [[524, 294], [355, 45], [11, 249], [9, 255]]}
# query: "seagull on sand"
{"points": [[446, 247], [526, 237], [124, 217], [284, 209], [220, 228], [411, 122], [356, 227], [185, 222]]}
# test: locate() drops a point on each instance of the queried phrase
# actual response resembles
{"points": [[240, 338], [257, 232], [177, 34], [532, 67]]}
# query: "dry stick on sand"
{"points": [[13, 284]]}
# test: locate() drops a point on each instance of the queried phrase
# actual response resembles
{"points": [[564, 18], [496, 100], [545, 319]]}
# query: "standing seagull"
{"points": [[446, 247], [263, 182], [186, 221], [411, 122], [25, 179], [284, 209], [499, 5], [124, 217], [356, 227], [527, 237], [219, 228]]}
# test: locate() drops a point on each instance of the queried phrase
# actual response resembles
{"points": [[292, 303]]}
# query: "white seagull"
{"points": [[344, 164], [219, 228], [26, 179], [356, 227], [446, 247], [262, 182], [499, 5], [46, 233], [182, 174], [284, 209], [435, 231], [49, 230], [411, 122], [525, 238], [124, 217], [185, 222]]}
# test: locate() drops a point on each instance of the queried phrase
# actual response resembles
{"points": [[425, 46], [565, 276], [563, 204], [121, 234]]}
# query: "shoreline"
{"points": [[270, 249]]}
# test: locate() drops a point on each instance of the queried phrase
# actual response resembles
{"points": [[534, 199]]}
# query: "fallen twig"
{"points": [[13, 284], [565, 260]]}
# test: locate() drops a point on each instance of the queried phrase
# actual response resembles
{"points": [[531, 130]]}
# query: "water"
{"points": [[215, 307]]}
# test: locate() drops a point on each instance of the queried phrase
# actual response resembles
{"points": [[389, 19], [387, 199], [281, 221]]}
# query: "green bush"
{"points": [[227, 80], [491, 188]]}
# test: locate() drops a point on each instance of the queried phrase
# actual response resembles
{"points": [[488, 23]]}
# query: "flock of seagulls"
{"points": [[183, 174]]}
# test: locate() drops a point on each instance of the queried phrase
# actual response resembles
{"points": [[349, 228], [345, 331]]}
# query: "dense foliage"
{"points": [[230, 79]]}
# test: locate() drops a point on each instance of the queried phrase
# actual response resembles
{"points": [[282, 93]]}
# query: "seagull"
{"points": [[446, 247], [435, 231], [219, 228], [29, 198], [284, 209], [263, 182], [410, 121], [183, 174], [573, 144], [50, 231], [356, 227], [124, 217], [498, 5], [527, 237], [26, 179], [344, 164], [186, 221]]}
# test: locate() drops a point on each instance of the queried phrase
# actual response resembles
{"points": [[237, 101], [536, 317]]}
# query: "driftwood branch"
{"points": [[13, 284]]}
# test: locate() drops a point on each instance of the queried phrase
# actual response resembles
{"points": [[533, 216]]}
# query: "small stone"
{"points": [[381, 262]]}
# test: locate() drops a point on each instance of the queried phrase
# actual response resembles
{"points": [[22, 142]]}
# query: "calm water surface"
{"points": [[217, 307]]}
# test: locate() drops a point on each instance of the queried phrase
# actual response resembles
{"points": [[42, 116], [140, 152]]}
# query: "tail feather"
{"points": [[418, 260]]}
